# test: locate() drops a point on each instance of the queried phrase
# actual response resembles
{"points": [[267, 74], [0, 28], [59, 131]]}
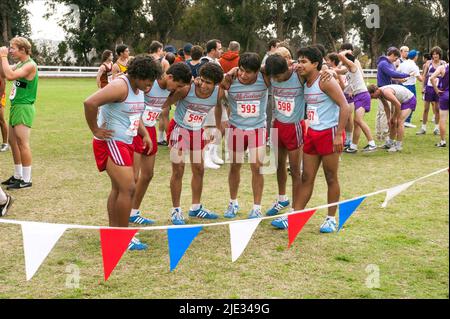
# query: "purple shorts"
{"points": [[362, 100], [430, 95], [443, 101], [410, 104], [349, 98]]}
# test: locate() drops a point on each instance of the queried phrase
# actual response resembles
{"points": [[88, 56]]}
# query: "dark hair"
{"points": [[180, 72], [372, 88], [394, 51], [275, 65], [346, 46], [121, 48], [155, 46], [333, 57], [313, 54], [170, 57], [211, 71], [437, 50], [321, 48], [181, 53], [351, 57], [144, 68], [427, 56], [196, 52], [211, 45], [105, 55], [250, 61], [272, 43]]}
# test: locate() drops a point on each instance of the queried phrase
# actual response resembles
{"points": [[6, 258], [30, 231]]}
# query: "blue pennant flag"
{"points": [[179, 241], [347, 209]]}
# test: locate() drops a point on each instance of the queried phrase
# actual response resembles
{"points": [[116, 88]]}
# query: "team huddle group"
{"points": [[308, 111]]}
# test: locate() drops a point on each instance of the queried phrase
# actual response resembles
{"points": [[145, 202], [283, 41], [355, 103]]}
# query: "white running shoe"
{"points": [[4, 147], [214, 156], [208, 161], [409, 125]]}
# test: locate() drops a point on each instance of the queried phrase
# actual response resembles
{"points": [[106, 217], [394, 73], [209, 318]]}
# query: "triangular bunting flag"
{"points": [[240, 234], [38, 241], [346, 210], [114, 243], [394, 191], [296, 223], [179, 241]]}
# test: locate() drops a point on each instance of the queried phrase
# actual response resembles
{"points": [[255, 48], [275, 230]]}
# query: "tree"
{"points": [[14, 19]]}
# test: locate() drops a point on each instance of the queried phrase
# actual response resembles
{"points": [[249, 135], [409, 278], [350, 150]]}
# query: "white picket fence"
{"points": [[91, 72]]}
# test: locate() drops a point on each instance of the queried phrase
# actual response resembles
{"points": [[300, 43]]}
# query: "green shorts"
{"points": [[22, 114]]}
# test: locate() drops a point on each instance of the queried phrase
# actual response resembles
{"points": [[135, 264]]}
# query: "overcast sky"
{"points": [[42, 28]]}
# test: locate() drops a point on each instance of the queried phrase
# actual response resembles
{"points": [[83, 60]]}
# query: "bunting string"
{"points": [[39, 238], [73, 226]]}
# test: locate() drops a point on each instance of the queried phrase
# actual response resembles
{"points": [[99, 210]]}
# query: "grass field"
{"points": [[408, 241]]}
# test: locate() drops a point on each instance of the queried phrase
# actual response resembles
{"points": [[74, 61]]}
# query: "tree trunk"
{"points": [[374, 49], [343, 25], [314, 26], [280, 20], [5, 27]]}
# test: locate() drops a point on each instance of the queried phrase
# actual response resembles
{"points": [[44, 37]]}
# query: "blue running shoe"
{"points": [[135, 244], [232, 211], [280, 223], [277, 207], [203, 213], [177, 217], [328, 226], [138, 219], [255, 213]]}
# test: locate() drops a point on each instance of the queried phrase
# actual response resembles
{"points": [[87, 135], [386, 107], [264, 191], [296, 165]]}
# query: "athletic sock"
{"points": [[18, 171], [160, 136], [354, 146], [348, 138], [436, 126], [234, 202], [196, 206], [256, 207], [134, 212], [372, 143], [176, 209], [332, 218], [2, 197], [424, 127], [282, 198], [26, 174]]}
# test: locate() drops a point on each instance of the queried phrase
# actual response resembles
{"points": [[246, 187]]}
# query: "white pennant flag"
{"points": [[240, 234], [394, 191], [38, 241]]}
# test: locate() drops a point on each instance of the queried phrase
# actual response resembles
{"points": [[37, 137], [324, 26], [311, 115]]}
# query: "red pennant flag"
{"points": [[296, 223], [114, 244]]}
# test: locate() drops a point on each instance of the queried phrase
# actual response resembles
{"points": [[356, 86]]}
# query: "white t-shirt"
{"points": [[407, 67]]}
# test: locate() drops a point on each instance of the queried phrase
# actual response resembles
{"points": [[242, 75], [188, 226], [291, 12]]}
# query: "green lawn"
{"points": [[408, 241]]}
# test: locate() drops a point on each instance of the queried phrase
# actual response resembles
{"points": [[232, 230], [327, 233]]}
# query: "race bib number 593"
{"points": [[248, 108]]}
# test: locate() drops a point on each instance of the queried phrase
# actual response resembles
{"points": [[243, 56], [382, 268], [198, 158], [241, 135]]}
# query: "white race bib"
{"points": [[285, 105], [150, 116], [313, 115], [12, 95], [248, 108], [134, 125], [194, 119]]}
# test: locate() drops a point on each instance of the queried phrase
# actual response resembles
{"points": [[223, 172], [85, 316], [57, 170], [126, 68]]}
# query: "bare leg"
{"points": [[145, 177], [330, 167]]}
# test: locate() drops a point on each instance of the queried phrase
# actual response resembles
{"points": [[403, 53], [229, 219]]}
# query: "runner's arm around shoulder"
{"points": [[218, 110], [351, 66], [116, 91], [333, 90]]}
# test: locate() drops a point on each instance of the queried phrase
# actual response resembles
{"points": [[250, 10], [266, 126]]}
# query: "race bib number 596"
{"points": [[194, 119]]}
